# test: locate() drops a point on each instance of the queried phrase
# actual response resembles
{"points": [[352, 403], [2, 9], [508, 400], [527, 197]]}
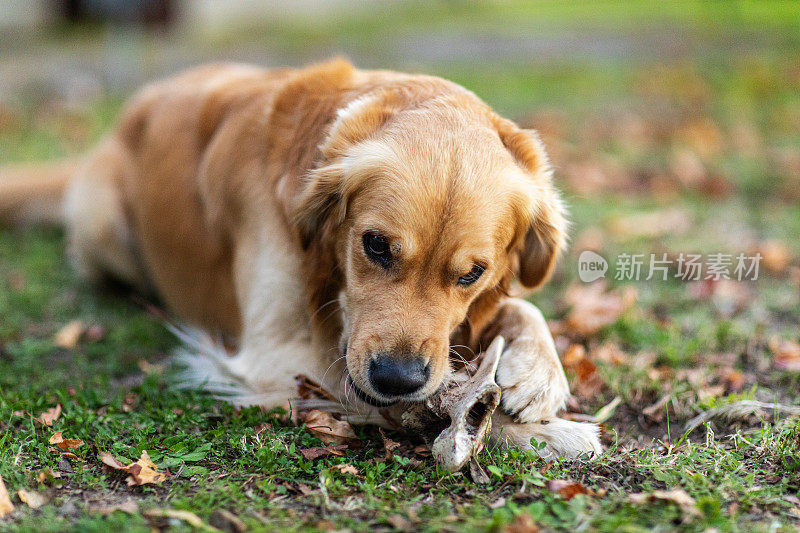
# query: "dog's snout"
{"points": [[397, 375]]}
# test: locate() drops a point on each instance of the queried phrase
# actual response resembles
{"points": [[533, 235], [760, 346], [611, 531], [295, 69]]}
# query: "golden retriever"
{"points": [[359, 227]]}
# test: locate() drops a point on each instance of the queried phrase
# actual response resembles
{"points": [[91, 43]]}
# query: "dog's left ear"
{"points": [[546, 227]]}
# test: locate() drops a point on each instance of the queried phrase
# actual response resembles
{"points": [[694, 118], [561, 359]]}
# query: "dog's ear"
{"points": [[324, 195], [545, 227]]}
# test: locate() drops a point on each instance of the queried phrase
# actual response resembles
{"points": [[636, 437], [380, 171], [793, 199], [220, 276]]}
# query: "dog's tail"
{"points": [[33, 194]]}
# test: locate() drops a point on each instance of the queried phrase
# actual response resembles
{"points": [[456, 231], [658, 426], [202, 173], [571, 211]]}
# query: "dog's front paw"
{"points": [[532, 382], [556, 437]]}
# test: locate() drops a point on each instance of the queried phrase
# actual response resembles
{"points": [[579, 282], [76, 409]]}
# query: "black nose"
{"points": [[394, 376]]}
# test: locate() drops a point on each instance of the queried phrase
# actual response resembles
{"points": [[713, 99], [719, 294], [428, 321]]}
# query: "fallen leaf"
{"points": [[775, 256], [677, 496], [594, 308], [47, 475], [142, 472], [307, 388], [34, 500], [567, 489], [5, 501], [51, 415], [786, 354], [389, 445], [588, 382], [523, 523], [185, 516], [477, 473], [323, 451], [129, 506], [69, 335], [111, 461], [329, 430], [399, 522], [608, 353], [346, 468], [422, 450], [672, 221], [65, 444]]}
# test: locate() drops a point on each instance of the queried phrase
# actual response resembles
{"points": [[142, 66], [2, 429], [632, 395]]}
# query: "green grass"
{"points": [[743, 474]]}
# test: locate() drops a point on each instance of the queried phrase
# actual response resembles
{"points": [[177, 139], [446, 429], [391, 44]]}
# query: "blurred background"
{"points": [[673, 127]]}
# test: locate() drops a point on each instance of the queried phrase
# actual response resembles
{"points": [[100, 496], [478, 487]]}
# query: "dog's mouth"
{"points": [[366, 398]]}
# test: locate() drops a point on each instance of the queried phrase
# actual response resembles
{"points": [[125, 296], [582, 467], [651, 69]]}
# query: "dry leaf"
{"points": [[47, 475], [775, 256], [307, 388], [141, 472], [329, 430], [588, 382], [567, 489], [672, 221], [5, 501], [69, 336], [186, 516], [129, 506], [51, 415], [33, 499], [523, 523], [678, 496], [323, 451], [594, 308], [65, 444], [346, 468], [111, 461], [389, 445], [786, 353]]}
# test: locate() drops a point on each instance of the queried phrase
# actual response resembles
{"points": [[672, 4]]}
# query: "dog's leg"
{"points": [[533, 385]]}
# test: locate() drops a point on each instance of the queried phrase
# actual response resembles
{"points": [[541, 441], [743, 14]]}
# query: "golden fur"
{"points": [[240, 196]]}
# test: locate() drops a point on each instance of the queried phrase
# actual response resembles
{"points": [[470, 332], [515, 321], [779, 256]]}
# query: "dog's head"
{"points": [[426, 208]]}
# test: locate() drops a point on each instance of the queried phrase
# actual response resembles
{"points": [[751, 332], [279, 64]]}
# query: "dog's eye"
{"points": [[472, 277], [376, 246]]}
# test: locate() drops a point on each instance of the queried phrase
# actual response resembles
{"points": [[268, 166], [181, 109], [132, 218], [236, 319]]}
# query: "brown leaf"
{"points": [[588, 382], [594, 308], [523, 523], [786, 354], [65, 444], [51, 415], [307, 388], [346, 468], [69, 335], [389, 445], [33, 499], [323, 451], [47, 475], [678, 496], [129, 506], [5, 501], [567, 489], [141, 472], [672, 221], [185, 516], [329, 430], [111, 461], [775, 256]]}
